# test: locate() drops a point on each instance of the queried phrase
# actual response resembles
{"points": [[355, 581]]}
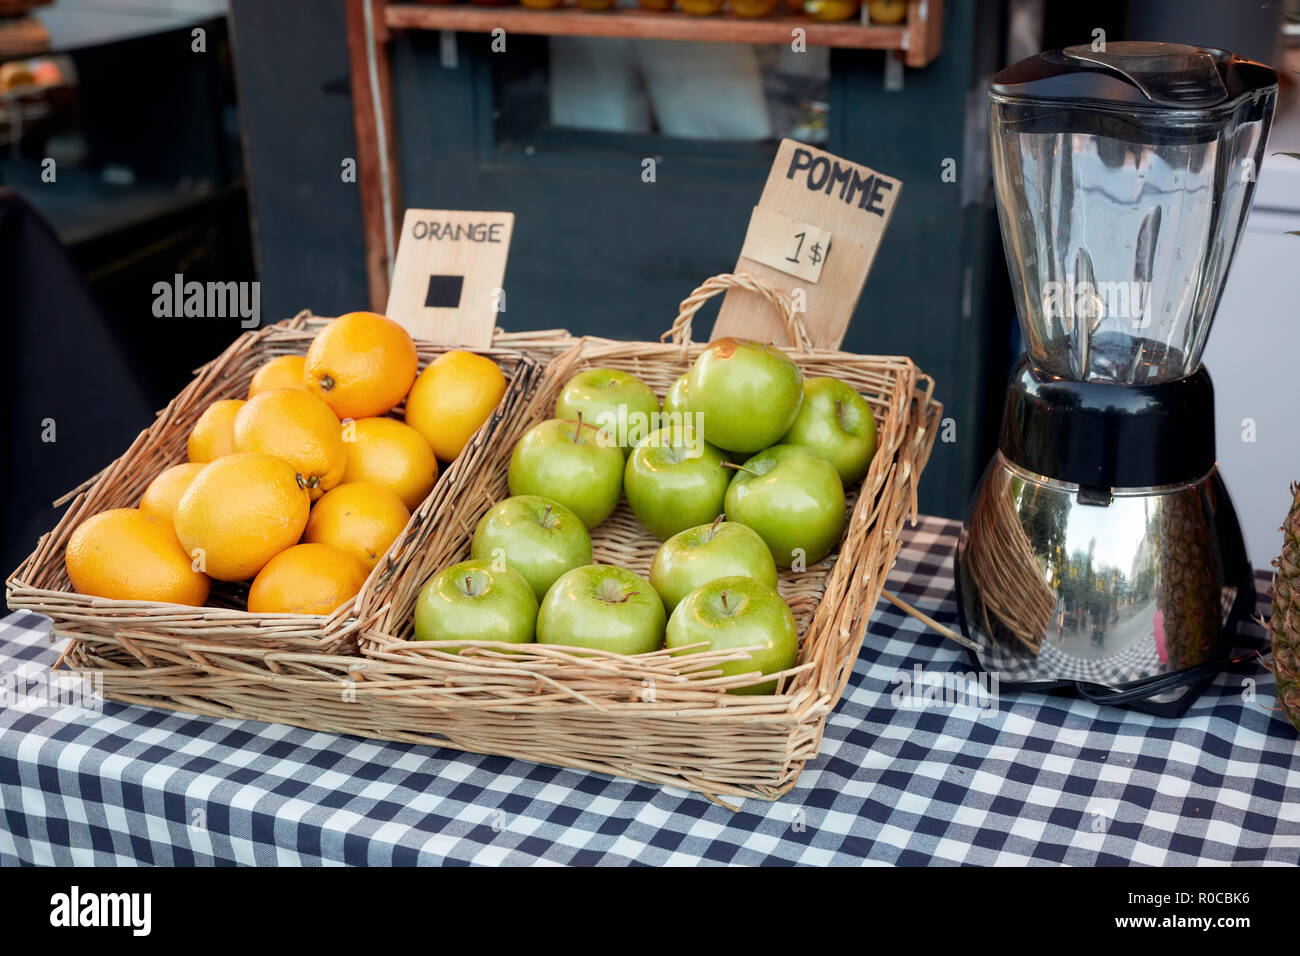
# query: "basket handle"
{"points": [[680, 333]]}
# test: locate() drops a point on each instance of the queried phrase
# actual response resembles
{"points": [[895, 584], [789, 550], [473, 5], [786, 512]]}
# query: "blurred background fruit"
{"points": [[163, 493], [306, 579], [241, 511], [752, 8], [360, 518], [392, 454], [361, 364], [453, 396], [887, 11], [213, 435], [127, 555], [295, 425], [831, 9]]}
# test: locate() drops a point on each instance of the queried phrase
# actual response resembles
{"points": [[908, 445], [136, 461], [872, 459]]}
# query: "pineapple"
{"points": [[1188, 592], [1284, 624]]}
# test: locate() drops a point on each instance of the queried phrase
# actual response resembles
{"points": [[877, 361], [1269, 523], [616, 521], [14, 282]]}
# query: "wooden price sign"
{"points": [[448, 276], [816, 228]]}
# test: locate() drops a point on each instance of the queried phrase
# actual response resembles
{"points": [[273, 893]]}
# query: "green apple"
{"points": [[836, 422], [620, 405], [603, 608], [677, 412], [794, 499], [567, 462], [748, 393], [702, 554], [472, 601], [675, 480], [538, 537], [675, 402], [738, 612]]}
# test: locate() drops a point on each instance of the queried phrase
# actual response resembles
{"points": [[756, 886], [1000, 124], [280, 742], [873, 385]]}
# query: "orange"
{"points": [[887, 11], [127, 555], [389, 453], [214, 433], [284, 371], [164, 491], [306, 579], [300, 428], [831, 9], [241, 511], [361, 364], [360, 518], [452, 398]]}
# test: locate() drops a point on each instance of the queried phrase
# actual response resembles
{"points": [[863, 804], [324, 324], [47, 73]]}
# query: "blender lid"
{"points": [[1136, 74]]}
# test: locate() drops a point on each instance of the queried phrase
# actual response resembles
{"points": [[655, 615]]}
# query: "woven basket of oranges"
{"points": [[270, 494]]}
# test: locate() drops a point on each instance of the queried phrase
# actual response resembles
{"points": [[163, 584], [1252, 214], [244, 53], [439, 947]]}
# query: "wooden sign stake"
{"points": [[814, 234], [448, 277]]}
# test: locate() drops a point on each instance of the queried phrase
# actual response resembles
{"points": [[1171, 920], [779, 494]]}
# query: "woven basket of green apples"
{"points": [[665, 565]]}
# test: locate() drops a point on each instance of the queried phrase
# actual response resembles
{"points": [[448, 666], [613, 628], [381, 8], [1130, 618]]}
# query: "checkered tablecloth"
{"points": [[1039, 779]]}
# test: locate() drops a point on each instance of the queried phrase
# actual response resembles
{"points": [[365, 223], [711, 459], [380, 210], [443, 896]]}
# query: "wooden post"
{"points": [[924, 31], [372, 112]]}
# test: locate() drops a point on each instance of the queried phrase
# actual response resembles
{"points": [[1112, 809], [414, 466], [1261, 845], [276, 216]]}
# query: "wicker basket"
{"points": [[131, 630], [649, 717]]}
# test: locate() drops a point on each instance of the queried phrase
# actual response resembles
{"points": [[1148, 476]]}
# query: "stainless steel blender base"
{"points": [[1056, 587]]}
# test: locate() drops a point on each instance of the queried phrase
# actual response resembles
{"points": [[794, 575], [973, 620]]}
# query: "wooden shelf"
{"points": [[371, 24], [917, 39]]}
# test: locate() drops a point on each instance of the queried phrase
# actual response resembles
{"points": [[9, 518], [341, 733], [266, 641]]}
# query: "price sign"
{"points": [[449, 273], [794, 247], [815, 206]]}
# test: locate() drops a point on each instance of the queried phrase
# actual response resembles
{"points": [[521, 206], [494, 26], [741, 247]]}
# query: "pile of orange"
{"points": [[303, 486]]}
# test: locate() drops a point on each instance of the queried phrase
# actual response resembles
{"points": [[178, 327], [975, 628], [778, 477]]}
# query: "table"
{"points": [[1041, 780]]}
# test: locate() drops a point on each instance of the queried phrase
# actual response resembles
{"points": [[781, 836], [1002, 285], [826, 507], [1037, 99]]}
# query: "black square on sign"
{"points": [[444, 292]]}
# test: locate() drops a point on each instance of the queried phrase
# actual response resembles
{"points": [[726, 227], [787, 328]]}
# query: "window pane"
{"points": [[721, 92]]}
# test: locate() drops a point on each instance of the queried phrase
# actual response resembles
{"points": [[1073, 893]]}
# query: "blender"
{"points": [[1102, 554]]}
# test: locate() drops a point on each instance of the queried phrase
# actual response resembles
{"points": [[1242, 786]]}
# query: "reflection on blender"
{"points": [[1109, 594]]}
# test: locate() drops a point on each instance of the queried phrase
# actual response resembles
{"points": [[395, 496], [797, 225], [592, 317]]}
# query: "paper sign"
{"points": [[448, 276], [851, 204], [794, 247]]}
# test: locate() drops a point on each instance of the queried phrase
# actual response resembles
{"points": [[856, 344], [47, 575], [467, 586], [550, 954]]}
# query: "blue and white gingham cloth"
{"points": [[1041, 779]]}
